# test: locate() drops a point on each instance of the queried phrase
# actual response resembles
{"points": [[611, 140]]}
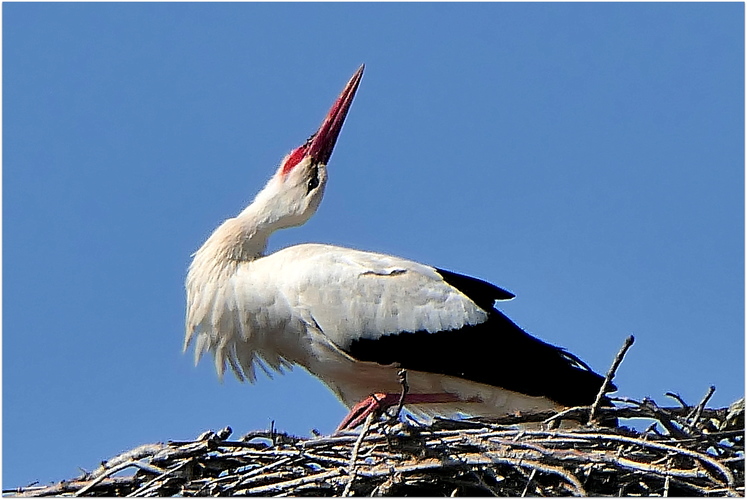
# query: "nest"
{"points": [[685, 451]]}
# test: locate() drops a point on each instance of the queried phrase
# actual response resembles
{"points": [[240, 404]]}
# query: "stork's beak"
{"points": [[323, 141]]}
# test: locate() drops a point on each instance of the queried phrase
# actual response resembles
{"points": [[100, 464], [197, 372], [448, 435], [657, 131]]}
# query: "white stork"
{"points": [[354, 318]]}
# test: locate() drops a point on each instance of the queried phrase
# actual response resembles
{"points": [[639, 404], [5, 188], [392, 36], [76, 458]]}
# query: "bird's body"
{"points": [[353, 318]]}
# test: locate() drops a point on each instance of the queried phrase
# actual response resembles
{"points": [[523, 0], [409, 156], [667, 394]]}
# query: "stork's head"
{"points": [[296, 189]]}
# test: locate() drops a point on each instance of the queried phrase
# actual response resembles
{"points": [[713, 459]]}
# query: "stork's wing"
{"points": [[354, 295], [495, 352], [388, 310]]}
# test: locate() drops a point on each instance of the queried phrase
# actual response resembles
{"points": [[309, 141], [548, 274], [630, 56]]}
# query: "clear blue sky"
{"points": [[587, 157]]}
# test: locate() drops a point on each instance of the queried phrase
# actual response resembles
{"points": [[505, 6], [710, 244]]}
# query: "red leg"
{"points": [[380, 401], [359, 412]]}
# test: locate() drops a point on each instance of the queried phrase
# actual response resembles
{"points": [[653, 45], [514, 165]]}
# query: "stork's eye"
{"points": [[314, 179]]}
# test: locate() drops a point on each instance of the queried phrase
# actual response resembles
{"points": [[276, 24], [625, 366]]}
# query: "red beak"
{"points": [[325, 138], [320, 145]]}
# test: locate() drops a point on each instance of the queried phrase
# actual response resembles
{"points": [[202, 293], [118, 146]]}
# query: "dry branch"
{"points": [[608, 379]]}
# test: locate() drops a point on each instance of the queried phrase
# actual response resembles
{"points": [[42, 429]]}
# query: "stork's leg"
{"points": [[380, 401], [359, 412]]}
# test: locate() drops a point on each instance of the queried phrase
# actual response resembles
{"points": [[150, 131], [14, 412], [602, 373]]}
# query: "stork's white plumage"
{"points": [[353, 318]]}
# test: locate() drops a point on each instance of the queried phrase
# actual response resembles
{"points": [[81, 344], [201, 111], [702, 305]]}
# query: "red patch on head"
{"points": [[294, 158]]}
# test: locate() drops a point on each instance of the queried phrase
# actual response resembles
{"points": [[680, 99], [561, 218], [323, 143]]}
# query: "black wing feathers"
{"points": [[481, 292], [496, 352]]}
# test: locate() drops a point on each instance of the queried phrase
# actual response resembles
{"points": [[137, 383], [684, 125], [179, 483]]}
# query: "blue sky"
{"points": [[587, 157]]}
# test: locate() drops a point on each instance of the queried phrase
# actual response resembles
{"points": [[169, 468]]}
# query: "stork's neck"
{"points": [[236, 240], [244, 237]]}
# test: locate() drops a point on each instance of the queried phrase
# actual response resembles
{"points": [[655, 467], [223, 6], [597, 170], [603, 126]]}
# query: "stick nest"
{"points": [[686, 451]]}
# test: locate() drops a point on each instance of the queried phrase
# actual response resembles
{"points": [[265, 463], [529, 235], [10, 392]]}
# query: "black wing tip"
{"points": [[506, 295], [481, 292]]}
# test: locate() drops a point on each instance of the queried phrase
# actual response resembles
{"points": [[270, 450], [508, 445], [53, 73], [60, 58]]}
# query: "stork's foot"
{"points": [[379, 402], [372, 404]]}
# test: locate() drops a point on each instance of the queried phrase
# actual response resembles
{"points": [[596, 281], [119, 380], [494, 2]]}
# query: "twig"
{"points": [[663, 417], [159, 477], [114, 470], [677, 397], [530, 481], [354, 454], [287, 485], [577, 489], [135, 454], [699, 409], [402, 375], [668, 480], [574, 411], [262, 470], [608, 378]]}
